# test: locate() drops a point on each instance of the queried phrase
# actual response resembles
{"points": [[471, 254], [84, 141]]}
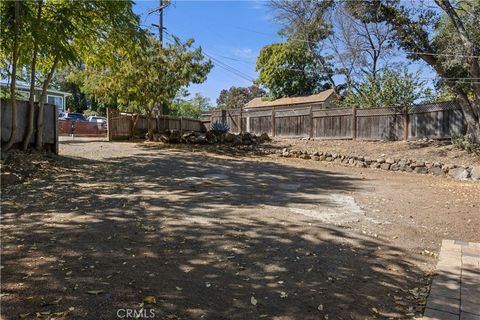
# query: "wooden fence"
{"points": [[50, 131], [125, 126], [435, 121]]}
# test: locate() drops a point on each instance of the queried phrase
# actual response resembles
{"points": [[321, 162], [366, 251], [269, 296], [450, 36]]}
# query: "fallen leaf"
{"points": [[320, 307], [207, 284], [95, 292], [253, 301], [150, 299], [283, 294], [178, 288]]}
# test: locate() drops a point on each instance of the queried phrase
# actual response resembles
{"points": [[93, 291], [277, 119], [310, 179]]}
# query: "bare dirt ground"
{"points": [[211, 236], [434, 150]]}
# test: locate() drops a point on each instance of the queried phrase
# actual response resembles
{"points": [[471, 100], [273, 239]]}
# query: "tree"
{"points": [[446, 37], [181, 106], [339, 43], [55, 34], [287, 69], [11, 11], [237, 97], [388, 88], [305, 25], [140, 77]]}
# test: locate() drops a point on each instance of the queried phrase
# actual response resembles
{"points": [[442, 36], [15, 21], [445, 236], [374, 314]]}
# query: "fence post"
{"points": [[181, 125], [109, 124], [406, 123], [354, 123], [224, 116], [311, 123], [55, 121], [274, 126]]}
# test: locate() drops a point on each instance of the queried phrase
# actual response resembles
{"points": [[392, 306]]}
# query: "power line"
{"points": [[220, 63], [351, 47]]}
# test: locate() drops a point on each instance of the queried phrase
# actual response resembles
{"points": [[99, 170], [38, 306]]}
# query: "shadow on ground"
{"points": [[208, 237]]}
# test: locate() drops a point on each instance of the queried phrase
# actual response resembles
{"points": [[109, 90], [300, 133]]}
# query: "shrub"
{"points": [[219, 127], [466, 143]]}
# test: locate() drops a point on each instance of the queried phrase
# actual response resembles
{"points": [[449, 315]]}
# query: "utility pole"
{"points": [[160, 23], [162, 5]]}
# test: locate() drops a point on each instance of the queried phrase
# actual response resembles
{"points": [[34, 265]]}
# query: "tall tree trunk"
{"points": [[13, 79], [31, 102], [41, 105]]}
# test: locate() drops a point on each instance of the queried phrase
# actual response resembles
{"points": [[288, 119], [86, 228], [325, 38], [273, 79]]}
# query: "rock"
{"points": [[475, 173], [381, 160], [322, 157], [316, 158], [351, 161], [385, 166], [422, 170], [229, 137], [418, 164], [437, 171], [305, 156], [329, 159], [316, 154], [360, 164], [175, 136], [390, 160], [264, 138], [394, 167], [375, 165], [458, 173], [9, 178], [448, 167], [368, 160]]}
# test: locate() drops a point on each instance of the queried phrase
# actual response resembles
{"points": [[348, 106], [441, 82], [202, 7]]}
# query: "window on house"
{"points": [[57, 101]]}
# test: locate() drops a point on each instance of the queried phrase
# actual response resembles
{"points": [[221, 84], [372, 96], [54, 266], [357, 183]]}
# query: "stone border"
{"points": [[387, 163]]}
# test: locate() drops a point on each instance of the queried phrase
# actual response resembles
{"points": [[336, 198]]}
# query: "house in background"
{"points": [[55, 97], [324, 100]]}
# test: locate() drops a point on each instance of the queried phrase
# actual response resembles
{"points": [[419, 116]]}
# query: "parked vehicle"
{"points": [[97, 119], [72, 116]]}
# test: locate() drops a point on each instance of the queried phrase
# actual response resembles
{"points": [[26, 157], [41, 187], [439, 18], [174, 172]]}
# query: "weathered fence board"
{"points": [[294, 126], [125, 126], [436, 121], [258, 125], [50, 134]]}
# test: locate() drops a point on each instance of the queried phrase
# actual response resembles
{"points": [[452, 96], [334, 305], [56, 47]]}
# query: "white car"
{"points": [[97, 119]]}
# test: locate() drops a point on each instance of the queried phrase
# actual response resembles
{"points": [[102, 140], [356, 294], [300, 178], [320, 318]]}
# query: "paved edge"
{"points": [[455, 290]]}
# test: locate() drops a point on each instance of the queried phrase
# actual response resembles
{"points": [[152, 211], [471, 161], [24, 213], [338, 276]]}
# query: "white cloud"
{"points": [[245, 53]]}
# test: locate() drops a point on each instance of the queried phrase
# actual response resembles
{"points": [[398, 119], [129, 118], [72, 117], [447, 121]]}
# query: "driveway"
{"points": [[181, 233]]}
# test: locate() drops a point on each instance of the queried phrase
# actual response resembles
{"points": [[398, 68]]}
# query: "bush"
{"points": [[219, 127], [466, 143]]}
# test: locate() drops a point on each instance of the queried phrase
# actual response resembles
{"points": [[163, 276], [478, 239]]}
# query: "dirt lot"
{"points": [[210, 236], [433, 150]]}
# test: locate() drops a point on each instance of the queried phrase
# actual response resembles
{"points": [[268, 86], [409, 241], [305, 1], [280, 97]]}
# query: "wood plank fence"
{"points": [[435, 121], [50, 131], [125, 126]]}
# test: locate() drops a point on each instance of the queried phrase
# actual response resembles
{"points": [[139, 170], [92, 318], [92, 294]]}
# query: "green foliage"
{"points": [[219, 127], [465, 142], [237, 97], [184, 107], [390, 88], [287, 69], [142, 76]]}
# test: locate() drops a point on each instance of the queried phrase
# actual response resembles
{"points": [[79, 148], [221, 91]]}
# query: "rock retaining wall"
{"points": [[391, 164]]}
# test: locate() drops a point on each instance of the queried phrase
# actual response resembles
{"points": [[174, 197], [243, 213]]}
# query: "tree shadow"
{"points": [[200, 233]]}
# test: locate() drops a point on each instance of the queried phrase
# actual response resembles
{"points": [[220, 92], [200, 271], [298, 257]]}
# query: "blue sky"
{"points": [[233, 32]]}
